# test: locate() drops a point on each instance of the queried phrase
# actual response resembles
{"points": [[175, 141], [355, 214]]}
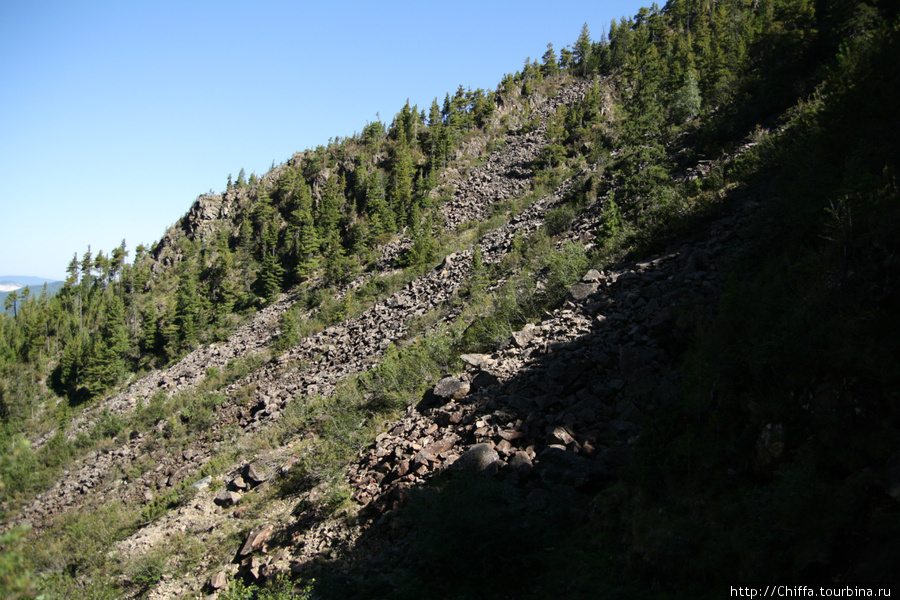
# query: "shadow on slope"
{"points": [[768, 451]]}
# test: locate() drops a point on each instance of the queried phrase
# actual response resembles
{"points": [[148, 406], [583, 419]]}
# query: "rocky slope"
{"points": [[558, 405], [327, 356]]}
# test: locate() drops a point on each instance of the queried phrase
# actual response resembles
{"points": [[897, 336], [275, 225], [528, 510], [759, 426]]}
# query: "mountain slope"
{"points": [[630, 348]]}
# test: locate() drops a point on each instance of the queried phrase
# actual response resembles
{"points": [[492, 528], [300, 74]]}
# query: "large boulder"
{"points": [[452, 388], [480, 458]]}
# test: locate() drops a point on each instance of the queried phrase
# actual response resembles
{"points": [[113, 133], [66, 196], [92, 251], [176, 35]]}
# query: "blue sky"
{"points": [[115, 116]]}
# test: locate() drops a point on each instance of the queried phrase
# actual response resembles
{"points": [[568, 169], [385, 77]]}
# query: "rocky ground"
{"points": [[558, 404]]}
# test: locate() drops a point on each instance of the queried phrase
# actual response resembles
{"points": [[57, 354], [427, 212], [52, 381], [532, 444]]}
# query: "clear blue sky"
{"points": [[115, 116]]}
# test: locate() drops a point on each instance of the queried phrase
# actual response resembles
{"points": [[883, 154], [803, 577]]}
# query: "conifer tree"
{"points": [[377, 209], [223, 288], [329, 215], [74, 270], [482, 107], [582, 52], [306, 245], [565, 58], [149, 341], [550, 67], [101, 264], [435, 124], [271, 277], [70, 370], [187, 312], [401, 181], [87, 266], [687, 101], [11, 302], [117, 261]]}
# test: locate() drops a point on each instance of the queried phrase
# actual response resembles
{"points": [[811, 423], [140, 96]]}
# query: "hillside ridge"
{"points": [[623, 327]]}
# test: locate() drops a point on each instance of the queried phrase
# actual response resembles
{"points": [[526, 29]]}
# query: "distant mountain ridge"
{"points": [[23, 280], [12, 283]]}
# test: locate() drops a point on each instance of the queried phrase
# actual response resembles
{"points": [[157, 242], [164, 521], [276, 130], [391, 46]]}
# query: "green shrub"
{"points": [[108, 426], [567, 266], [145, 417], [559, 219], [406, 372], [281, 588], [199, 412]]}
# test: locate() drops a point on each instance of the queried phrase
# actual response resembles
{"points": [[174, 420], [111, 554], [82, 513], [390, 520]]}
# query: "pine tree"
{"points": [[306, 245], [641, 166], [687, 100], [271, 277], [551, 67], [169, 333], [87, 266], [554, 152], [401, 182], [405, 124], [435, 124], [329, 215], [11, 302], [566, 58], [106, 362], [101, 264], [482, 107], [74, 270], [99, 368], [583, 51], [117, 261], [114, 331], [149, 342], [377, 209], [187, 312], [70, 370]]}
